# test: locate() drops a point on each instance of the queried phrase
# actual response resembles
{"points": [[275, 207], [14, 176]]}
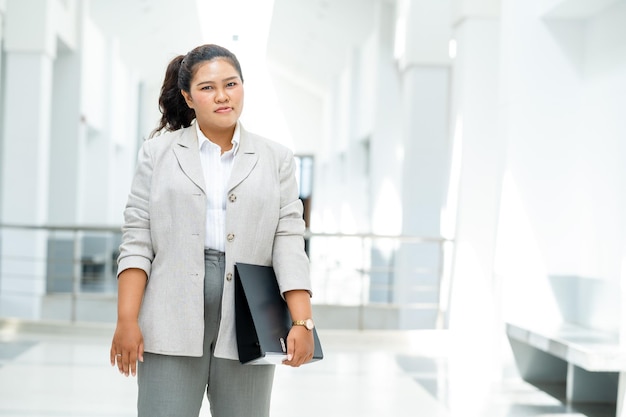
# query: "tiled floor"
{"points": [[61, 370]]}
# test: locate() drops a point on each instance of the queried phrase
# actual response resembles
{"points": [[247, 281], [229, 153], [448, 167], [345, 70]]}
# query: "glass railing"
{"points": [[378, 271], [75, 263]]}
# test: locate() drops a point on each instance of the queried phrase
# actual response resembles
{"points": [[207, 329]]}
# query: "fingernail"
{"points": [[289, 357]]}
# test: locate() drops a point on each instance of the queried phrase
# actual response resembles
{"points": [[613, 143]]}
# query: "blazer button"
{"points": [[229, 277], [232, 198], [230, 237]]}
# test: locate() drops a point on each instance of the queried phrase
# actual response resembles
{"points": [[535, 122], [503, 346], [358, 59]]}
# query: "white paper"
{"points": [[269, 359]]}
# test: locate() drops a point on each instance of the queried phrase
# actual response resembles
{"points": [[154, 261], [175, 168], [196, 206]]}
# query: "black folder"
{"points": [[262, 317]]}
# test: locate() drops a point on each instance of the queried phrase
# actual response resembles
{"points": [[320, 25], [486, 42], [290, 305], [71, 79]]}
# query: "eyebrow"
{"points": [[234, 77]]}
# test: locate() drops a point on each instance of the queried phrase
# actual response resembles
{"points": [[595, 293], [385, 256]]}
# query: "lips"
{"points": [[223, 110]]}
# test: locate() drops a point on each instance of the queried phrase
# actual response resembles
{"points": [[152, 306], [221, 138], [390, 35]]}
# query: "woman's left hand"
{"points": [[300, 346]]}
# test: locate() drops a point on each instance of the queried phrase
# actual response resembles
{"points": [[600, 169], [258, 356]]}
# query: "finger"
{"points": [[133, 363], [296, 360], [126, 363], [112, 355], [291, 363], [140, 352], [120, 365], [290, 352], [118, 362], [291, 348]]}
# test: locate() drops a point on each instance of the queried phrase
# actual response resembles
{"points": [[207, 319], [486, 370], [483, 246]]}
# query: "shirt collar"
{"points": [[235, 140]]}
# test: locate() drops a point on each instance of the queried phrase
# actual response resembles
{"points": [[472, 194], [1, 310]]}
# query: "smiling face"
{"points": [[216, 95]]}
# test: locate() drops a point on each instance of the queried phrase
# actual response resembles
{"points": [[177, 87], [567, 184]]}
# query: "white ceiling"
{"points": [[150, 32], [308, 44], [308, 39], [312, 39]]}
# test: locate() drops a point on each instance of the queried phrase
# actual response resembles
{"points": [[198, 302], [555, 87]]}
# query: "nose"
{"points": [[221, 96]]}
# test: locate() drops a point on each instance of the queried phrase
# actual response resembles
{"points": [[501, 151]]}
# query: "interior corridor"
{"points": [[49, 369]]}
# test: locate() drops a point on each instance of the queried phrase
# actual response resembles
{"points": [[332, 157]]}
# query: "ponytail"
{"points": [[176, 114]]}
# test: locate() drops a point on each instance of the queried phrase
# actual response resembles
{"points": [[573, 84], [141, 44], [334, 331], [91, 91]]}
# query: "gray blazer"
{"points": [[164, 234]]}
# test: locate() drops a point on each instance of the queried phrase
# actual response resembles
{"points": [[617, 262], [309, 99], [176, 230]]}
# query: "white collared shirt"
{"points": [[216, 167]]}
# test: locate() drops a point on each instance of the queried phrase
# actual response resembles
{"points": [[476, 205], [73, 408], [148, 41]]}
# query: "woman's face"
{"points": [[216, 95]]}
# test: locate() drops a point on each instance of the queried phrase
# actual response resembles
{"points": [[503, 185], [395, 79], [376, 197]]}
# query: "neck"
{"points": [[221, 137]]}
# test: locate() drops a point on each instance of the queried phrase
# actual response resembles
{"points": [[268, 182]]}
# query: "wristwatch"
{"points": [[308, 323]]}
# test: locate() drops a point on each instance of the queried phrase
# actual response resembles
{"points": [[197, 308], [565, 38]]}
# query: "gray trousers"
{"points": [[174, 386]]}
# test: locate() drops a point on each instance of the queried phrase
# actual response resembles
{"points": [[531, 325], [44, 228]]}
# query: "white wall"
{"points": [[66, 141], [475, 170], [2, 83], [70, 111], [29, 56], [562, 198], [340, 202], [537, 106], [350, 117], [111, 110], [304, 119], [463, 9], [424, 30], [65, 16], [95, 70]]}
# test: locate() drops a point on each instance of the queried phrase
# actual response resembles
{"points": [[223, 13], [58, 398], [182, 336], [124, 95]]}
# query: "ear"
{"points": [[188, 98]]}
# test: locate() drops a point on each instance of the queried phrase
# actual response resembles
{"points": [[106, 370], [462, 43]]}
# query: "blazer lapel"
{"points": [[188, 155], [245, 160]]}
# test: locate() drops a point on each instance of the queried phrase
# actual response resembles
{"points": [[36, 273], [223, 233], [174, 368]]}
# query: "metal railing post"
{"points": [[362, 299], [76, 274]]}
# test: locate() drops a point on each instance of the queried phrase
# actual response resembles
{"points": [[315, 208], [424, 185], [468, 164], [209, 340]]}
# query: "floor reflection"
{"points": [[60, 370]]}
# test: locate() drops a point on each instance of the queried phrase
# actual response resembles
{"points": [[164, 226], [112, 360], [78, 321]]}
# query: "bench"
{"points": [[590, 364]]}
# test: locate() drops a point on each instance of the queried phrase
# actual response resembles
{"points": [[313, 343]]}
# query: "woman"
{"points": [[206, 194]]}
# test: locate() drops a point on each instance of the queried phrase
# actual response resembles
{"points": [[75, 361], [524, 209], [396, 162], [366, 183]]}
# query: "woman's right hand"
{"points": [[127, 347], [127, 344]]}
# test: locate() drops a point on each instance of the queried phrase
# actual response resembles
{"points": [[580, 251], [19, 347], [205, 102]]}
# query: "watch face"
{"points": [[308, 323]]}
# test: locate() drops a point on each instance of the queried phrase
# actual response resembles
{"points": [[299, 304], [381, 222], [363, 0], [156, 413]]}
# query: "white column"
{"points": [[67, 139], [386, 136], [421, 52], [474, 123], [385, 153], [25, 161], [478, 156], [2, 23], [426, 102], [29, 47]]}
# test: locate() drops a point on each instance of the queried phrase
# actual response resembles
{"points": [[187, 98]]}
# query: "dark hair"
{"points": [[176, 114]]}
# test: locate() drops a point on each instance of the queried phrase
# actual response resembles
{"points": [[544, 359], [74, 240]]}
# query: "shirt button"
{"points": [[232, 198], [230, 237], [229, 277]]}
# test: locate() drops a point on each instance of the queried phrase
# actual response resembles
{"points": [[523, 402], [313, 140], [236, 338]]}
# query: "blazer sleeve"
{"points": [[136, 249], [289, 259]]}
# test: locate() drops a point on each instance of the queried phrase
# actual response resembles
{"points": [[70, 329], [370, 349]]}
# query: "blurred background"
{"points": [[462, 164]]}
